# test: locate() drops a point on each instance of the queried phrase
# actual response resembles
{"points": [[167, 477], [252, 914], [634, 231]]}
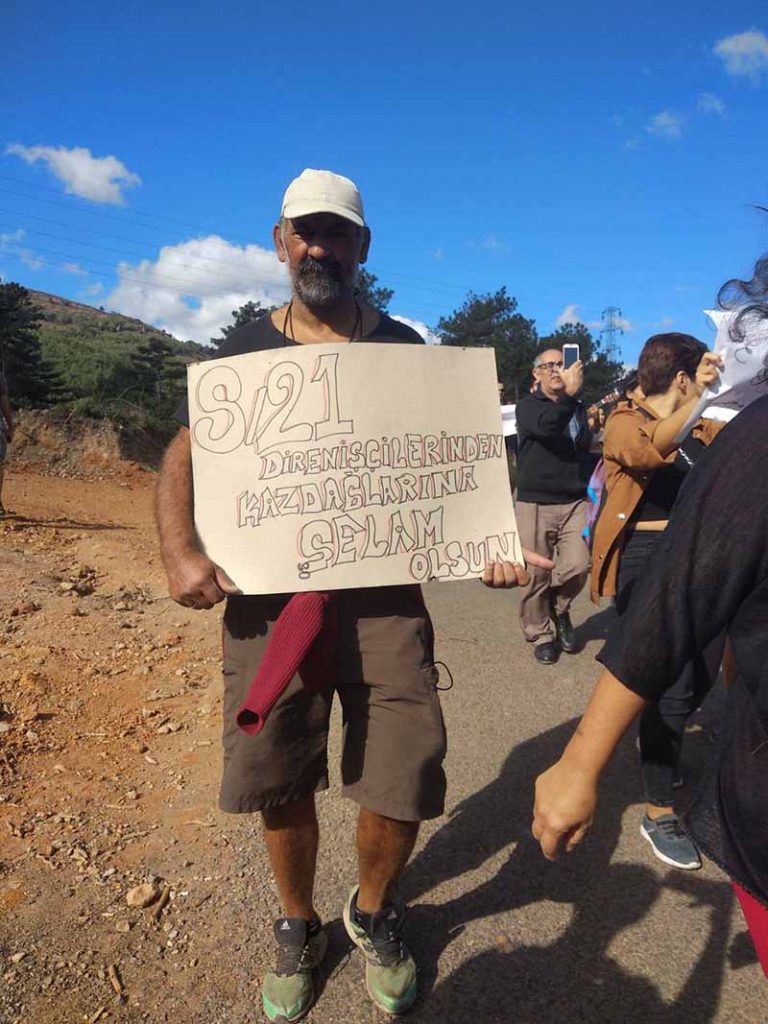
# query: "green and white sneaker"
{"points": [[288, 992], [390, 970]]}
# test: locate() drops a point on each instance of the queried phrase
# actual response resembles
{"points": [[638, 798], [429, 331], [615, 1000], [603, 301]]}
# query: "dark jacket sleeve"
{"points": [[544, 419], [714, 554]]}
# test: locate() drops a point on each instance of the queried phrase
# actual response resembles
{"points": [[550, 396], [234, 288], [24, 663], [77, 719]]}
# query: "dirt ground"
{"points": [[109, 761]]}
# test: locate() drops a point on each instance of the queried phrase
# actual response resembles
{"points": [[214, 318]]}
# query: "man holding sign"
{"points": [[382, 649]]}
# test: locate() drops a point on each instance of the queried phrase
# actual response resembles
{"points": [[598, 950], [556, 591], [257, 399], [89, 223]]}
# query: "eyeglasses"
{"points": [[548, 366]]}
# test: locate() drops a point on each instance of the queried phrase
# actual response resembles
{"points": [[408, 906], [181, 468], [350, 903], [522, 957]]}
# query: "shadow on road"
{"points": [[19, 522], [573, 979], [595, 627]]}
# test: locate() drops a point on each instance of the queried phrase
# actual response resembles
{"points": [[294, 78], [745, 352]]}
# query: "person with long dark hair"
{"points": [[708, 576]]}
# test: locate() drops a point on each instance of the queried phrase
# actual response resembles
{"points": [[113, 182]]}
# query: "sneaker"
{"points": [[669, 842], [288, 992], [390, 970], [566, 634]]}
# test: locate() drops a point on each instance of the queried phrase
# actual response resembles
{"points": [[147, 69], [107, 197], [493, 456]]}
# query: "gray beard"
{"points": [[316, 284]]}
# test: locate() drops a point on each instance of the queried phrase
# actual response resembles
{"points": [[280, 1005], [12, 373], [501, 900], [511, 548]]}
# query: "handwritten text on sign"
{"points": [[320, 467]]}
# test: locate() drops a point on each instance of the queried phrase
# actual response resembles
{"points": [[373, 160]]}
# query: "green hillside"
{"points": [[108, 364]]}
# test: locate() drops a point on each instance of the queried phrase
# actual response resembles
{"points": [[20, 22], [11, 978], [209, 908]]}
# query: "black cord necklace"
{"points": [[357, 327]]}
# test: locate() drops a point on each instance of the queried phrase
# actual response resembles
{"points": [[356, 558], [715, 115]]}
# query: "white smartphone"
{"points": [[570, 355]]}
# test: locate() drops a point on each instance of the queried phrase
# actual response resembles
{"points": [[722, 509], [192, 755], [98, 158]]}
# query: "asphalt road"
{"points": [[501, 935], [607, 935]]}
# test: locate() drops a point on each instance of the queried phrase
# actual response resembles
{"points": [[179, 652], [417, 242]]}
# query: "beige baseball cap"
{"points": [[323, 192]]}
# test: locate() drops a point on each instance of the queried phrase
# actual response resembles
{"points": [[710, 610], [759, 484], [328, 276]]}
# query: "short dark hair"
{"points": [[666, 355], [545, 348]]}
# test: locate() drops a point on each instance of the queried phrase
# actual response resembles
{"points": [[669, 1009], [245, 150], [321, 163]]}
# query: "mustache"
{"points": [[327, 268]]}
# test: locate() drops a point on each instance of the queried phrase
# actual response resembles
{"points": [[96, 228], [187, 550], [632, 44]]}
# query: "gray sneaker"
{"points": [[390, 971], [288, 992], [669, 842]]}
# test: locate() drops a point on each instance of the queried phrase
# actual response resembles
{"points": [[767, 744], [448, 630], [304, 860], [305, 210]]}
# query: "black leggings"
{"points": [[662, 724]]}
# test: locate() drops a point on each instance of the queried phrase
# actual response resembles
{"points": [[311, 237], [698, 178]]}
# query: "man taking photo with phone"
{"points": [[553, 469]]}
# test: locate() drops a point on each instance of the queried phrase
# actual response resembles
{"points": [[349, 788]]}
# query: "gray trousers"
{"points": [[554, 531]]}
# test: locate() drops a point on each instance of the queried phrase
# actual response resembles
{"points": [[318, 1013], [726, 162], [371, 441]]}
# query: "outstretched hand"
{"points": [[564, 808], [505, 575]]}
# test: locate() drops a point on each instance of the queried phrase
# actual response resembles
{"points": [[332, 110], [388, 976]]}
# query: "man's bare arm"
{"points": [[193, 579]]}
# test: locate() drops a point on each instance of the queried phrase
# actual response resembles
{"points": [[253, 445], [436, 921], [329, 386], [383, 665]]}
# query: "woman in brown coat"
{"points": [[646, 466]]}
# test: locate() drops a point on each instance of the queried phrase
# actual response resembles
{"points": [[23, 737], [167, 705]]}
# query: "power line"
{"points": [[394, 276], [73, 202], [612, 320]]}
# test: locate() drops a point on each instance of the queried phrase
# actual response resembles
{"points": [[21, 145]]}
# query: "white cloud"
{"points": [[93, 290], [98, 178], [418, 325], [710, 104], [438, 254], [192, 288], [666, 125], [9, 237], [74, 268], [493, 244], [571, 315], [666, 321], [623, 323], [744, 55], [10, 241], [29, 259]]}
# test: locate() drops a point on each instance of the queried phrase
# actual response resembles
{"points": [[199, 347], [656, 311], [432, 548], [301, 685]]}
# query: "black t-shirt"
{"points": [[261, 334], [665, 483], [709, 575]]}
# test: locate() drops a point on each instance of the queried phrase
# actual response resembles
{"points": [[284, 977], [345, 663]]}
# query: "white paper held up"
{"points": [[744, 376]]}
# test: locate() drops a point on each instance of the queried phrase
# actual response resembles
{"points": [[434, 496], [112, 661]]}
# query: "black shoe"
{"points": [[566, 634], [546, 653]]}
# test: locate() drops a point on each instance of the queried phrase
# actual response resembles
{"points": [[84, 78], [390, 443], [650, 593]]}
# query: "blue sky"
{"points": [[581, 155]]}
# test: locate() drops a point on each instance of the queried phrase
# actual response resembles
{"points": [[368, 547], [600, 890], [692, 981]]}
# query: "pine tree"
{"points": [[159, 373], [31, 380], [245, 314], [369, 291], [492, 321]]}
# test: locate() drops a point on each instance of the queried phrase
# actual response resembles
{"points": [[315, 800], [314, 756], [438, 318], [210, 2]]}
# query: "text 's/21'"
{"points": [[273, 415]]}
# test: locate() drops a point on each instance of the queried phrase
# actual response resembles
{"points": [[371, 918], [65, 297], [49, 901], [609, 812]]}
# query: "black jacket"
{"points": [[552, 467]]}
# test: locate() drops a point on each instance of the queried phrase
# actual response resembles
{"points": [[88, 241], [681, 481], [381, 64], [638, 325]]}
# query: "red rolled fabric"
{"points": [[303, 639], [756, 916]]}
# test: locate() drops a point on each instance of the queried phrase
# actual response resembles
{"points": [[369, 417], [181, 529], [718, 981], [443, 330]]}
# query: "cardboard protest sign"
{"points": [[321, 467], [744, 376]]}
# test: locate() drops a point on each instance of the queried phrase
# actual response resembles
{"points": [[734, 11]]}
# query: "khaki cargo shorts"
{"points": [[394, 738]]}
